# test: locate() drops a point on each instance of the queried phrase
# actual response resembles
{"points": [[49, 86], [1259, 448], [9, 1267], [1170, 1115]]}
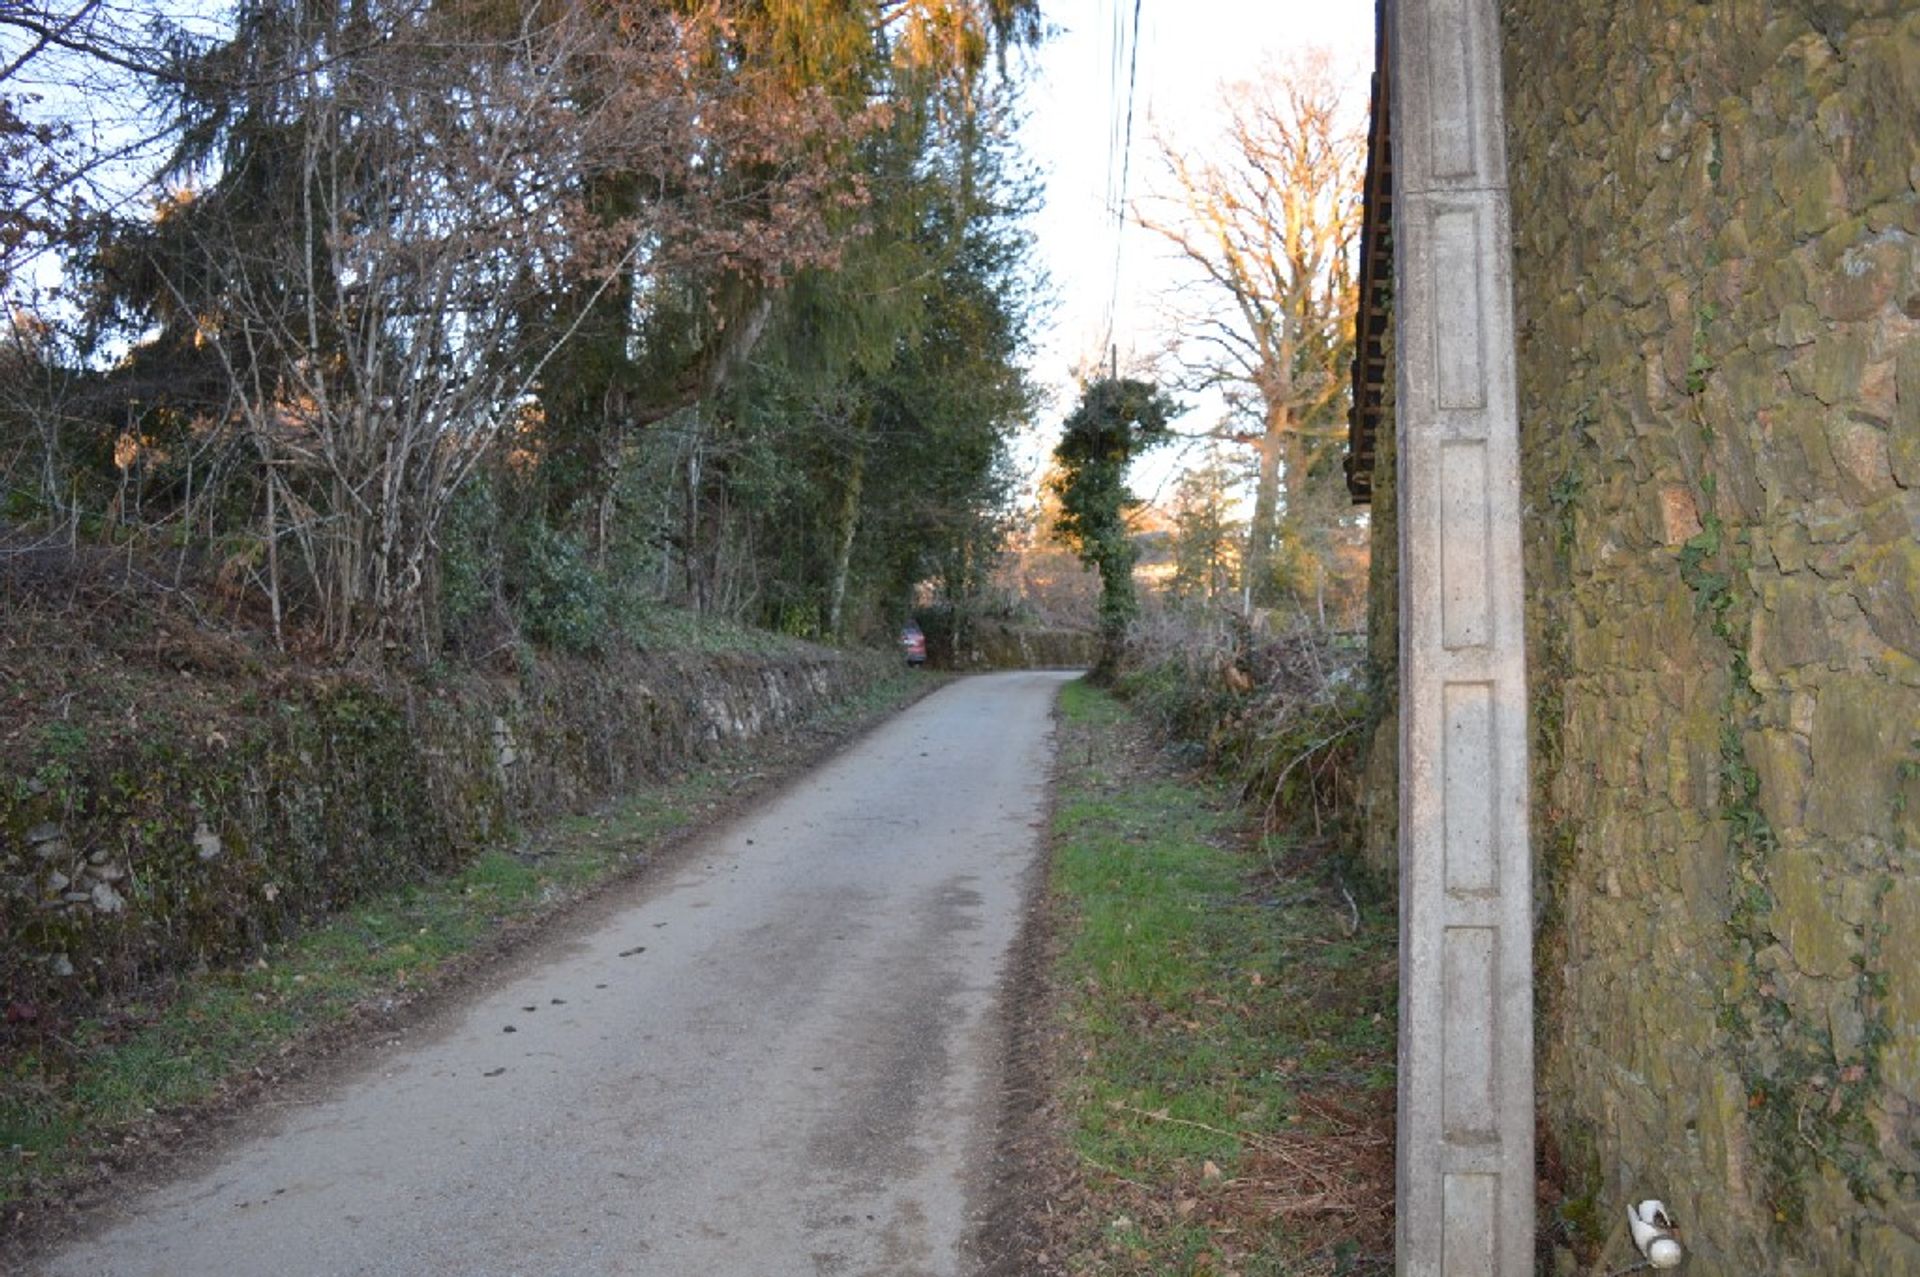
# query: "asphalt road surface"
{"points": [[781, 1060]]}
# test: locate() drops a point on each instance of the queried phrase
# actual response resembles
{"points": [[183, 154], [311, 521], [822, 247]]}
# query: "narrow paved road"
{"points": [[781, 1061]]}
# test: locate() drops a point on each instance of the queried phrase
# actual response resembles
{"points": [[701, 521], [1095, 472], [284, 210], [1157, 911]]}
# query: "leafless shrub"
{"points": [[1284, 711], [440, 226]]}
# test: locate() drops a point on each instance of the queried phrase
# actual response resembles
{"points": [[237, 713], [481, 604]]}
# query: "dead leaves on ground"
{"points": [[1329, 1175]]}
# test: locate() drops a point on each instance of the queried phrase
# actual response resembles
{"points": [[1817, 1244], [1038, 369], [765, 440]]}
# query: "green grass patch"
{"points": [[68, 1102], [1230, 1021]]}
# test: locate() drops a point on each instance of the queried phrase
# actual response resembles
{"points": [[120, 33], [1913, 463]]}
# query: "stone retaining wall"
{"points": [[195, 843]]}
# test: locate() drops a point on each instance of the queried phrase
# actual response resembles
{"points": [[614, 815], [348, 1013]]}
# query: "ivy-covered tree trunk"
{"points": [[1116, 421]]}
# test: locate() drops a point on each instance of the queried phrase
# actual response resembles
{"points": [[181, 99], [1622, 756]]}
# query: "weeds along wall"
{"points": [[1718, 291], [1282, 714], [128, 853]]}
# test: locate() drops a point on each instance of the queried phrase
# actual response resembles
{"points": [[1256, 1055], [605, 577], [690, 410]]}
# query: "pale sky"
{"points": [[1188, 50]]}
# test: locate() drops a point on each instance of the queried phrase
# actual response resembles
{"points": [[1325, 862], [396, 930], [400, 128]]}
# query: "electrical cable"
{"points": [[1115, 41], [1117, 192]]}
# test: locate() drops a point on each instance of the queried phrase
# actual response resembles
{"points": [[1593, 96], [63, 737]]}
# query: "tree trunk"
{"points": [[1263, 531], [606, 479], [694, 540], [847, 523], [273, 545], [1290, 527]]}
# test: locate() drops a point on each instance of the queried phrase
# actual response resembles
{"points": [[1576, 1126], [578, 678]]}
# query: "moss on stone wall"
{"points": [[1380, 788], [1718, 293], [125, 854]]}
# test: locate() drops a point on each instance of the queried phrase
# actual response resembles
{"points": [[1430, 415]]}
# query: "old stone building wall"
{"points": [[1718, 294], [1380, 786]]}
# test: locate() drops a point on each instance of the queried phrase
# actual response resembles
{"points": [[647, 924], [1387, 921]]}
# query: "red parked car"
{"points": [[914, 643]]}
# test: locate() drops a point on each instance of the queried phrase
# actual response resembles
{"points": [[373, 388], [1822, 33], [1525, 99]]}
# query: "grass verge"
{"points": [[121, 1084], [1224, 1070]]}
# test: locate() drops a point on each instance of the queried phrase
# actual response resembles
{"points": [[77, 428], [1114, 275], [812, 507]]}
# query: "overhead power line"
{"points": [[1126, 47]]}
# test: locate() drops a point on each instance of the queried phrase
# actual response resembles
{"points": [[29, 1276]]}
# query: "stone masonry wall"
{"points": [[127, 854], [1717, 265], [1380, 787]]}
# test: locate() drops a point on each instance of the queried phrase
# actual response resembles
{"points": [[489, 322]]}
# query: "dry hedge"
{"points": [[1283, 711]]}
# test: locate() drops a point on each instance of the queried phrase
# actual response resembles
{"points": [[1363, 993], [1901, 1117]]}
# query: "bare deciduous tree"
{"points": [[359, 247], [1269, 227], [386, 311]]}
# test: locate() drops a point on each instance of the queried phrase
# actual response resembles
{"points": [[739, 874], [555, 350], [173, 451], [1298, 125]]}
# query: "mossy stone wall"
{"points": [[126, 854], [1717, 272], [1380, 786]]}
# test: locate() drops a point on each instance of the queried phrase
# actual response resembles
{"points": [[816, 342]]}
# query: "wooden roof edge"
{"points": [[1376, 272]]}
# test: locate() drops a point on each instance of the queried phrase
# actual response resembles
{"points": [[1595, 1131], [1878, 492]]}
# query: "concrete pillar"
{"points": [[1466, 995]]}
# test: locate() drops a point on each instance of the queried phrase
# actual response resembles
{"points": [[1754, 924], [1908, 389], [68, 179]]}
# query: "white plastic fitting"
{"points": [[1653, 1233]]}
